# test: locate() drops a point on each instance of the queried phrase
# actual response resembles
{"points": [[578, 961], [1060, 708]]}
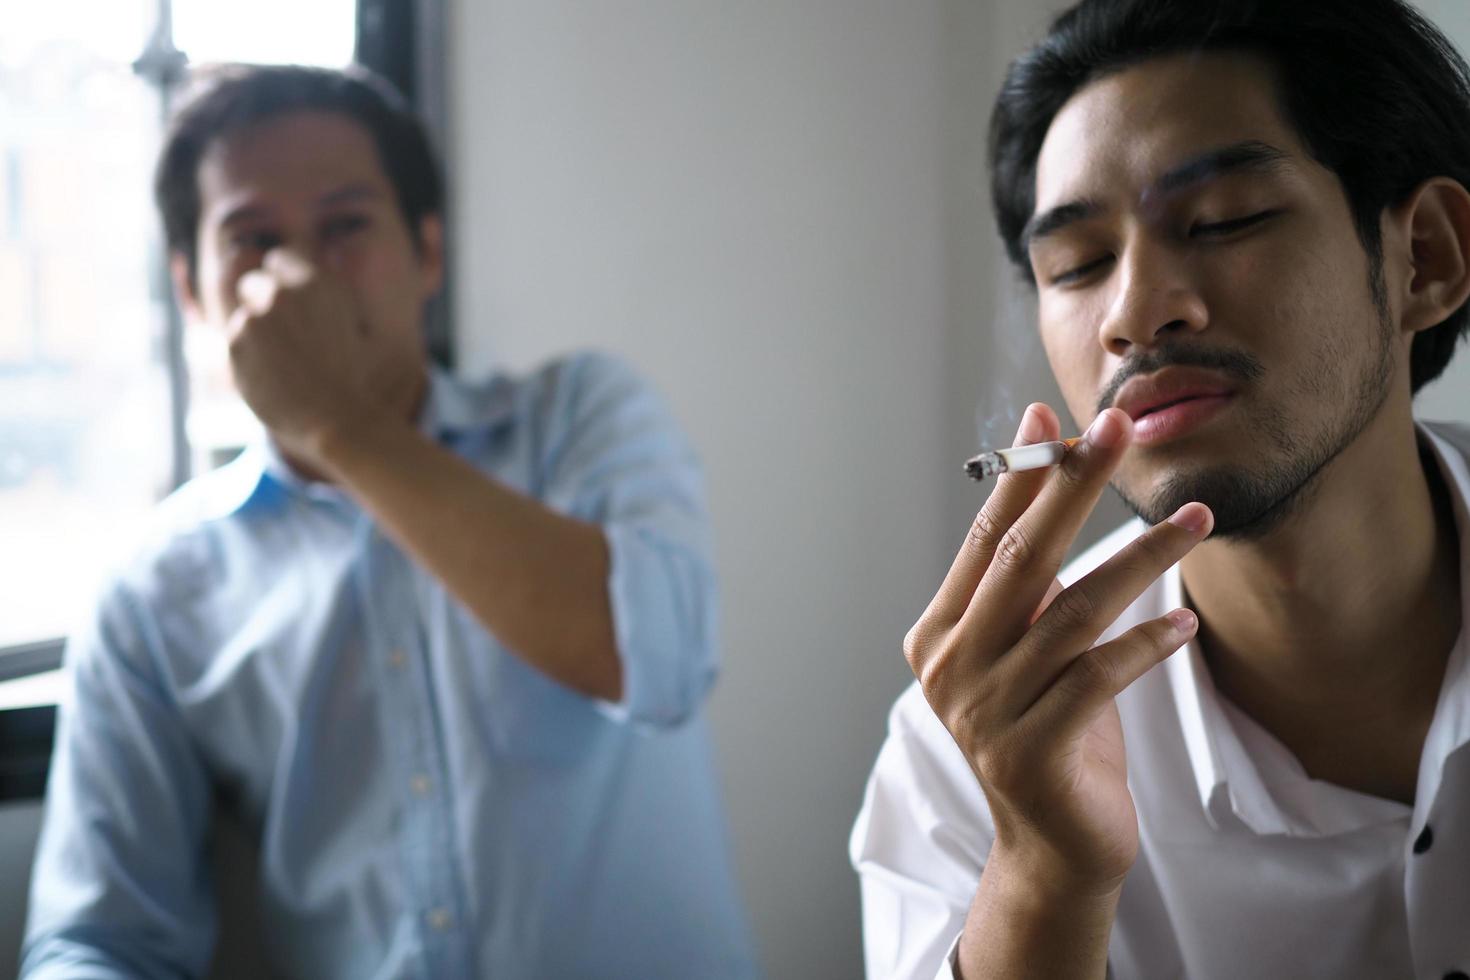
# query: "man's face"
{"points": [[313, 183], [1189, 252]]}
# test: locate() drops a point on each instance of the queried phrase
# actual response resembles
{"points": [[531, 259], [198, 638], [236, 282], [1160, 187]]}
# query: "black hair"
{"points": [[1377, 94], [223, 99]]}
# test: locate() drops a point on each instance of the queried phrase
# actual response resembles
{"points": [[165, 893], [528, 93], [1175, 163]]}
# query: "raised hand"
{"points": [[305, 356], [1006, 659]]}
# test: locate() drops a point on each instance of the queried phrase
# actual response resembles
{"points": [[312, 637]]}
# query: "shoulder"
{"points": [[569, 377], [1450, 442], [592, 399], [178, 560], [924, 817], [911, 718], [562, 393], [1456, 434], [920, 759], [179, 538]]}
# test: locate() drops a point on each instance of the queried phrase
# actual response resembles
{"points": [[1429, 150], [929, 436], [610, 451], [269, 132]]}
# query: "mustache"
{"points": [[1236, 364]]}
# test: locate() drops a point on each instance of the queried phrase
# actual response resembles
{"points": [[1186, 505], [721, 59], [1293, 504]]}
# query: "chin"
{"points": [[1247, 506]]}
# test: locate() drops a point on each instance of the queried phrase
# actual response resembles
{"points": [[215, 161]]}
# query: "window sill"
{"points": [[33, 691], [29, 659]]}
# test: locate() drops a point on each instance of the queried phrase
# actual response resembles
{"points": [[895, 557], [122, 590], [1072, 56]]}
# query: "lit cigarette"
{"points": [[1018, 458]]}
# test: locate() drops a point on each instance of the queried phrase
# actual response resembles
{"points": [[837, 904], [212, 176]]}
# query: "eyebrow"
{"points": [[1247, 156], [243, 212], [350, 194], [1250, 156]]}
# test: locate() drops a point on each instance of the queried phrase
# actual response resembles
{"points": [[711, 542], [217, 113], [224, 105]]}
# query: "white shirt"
{"points": [[1246, 868]]}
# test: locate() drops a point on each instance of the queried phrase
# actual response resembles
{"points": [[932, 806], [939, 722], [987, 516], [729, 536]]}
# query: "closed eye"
{"points": [[255, 240], [1080, 272], [342, 225], [1219, 229]]}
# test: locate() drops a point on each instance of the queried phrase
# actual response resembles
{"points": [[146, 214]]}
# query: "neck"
{"points": [[1345, 614]]}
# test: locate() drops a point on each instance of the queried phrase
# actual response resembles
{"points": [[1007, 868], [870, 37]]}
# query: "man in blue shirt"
{"points": [[440, 647]]}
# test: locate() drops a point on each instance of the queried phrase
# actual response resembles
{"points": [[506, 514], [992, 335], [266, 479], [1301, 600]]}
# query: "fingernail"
{"points": [[1191, 517], [1030, 430], [1184, 621], [1105, 431]]}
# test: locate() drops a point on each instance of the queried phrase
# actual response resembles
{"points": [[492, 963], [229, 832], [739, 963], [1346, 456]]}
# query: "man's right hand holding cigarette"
{"points": [[1005, 657]]}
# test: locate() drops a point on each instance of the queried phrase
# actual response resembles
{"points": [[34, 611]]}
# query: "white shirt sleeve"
{"points": [[919, 845]]}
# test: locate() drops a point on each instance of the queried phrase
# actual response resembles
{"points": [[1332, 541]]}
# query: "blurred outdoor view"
{"points": [[86, 418]]}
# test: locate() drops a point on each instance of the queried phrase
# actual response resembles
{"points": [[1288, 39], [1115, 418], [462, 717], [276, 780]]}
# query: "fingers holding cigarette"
{"points": [[1019, 458], [1007, 660], [1007, 503], [1030, 550]]}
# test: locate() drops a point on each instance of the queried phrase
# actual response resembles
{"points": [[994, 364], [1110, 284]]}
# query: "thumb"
{"points": [[288, 266]]}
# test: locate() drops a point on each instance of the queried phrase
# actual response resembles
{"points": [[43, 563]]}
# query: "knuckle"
{"points": [[985, 531], [1076, 606], [933, 669], [1159, 636], [1016, 550], [1000, 765], [913, 646], [1095, 673], [1073, 475]]}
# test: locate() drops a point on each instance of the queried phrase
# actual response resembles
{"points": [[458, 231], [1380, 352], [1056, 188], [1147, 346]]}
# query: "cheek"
{"points": [[376, 267], [1291, 306], [1076, 361], [217, 293], [386, 284]]}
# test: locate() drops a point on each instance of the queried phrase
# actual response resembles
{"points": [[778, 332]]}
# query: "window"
{"points": [[93, 426]]}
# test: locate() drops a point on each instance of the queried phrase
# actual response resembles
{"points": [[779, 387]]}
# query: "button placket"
{"points": [[389, 593]]}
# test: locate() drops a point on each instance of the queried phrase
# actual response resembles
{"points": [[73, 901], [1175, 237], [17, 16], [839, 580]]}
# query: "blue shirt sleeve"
{"points": [[616, 458], [120, 888]]}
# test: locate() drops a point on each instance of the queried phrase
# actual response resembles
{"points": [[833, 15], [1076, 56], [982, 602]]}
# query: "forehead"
{"points": [[1125, 129], [290, 159]]}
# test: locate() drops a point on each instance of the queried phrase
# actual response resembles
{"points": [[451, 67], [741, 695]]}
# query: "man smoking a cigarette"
{"points": [[1233, 739]]}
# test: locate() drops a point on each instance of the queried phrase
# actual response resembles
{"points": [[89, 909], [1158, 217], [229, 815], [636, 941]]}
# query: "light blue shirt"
{"points": [[426, 804]]}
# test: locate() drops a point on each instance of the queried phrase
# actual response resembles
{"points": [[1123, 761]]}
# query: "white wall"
{"points": [[744, 200], [779, 211]]}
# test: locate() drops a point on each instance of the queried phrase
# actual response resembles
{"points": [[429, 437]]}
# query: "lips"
{"points": [[1173, 402]]}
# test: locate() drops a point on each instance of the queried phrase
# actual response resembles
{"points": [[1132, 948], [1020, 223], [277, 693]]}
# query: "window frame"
{"points": [[403, 40]]}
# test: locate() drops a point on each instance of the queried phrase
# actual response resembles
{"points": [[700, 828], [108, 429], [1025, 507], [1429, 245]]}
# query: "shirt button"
{"points": [[440, 919], [1422, 843], [398, 659], [420, 785]]}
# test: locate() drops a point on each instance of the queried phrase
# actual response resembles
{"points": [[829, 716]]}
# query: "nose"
{"points": [[1155, 300]]}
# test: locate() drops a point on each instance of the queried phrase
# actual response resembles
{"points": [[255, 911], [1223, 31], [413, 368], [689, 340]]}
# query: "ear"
{"points": [[431, 253], [178, 270], [1434, 224]]}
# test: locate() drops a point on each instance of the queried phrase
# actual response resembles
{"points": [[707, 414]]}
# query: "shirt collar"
{"points": [[1241, 771], [1450, 729], [451, 409], [456, 408]]}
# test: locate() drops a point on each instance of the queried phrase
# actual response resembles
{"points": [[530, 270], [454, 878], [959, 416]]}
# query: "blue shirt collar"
{"points": [[451, 409]]}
